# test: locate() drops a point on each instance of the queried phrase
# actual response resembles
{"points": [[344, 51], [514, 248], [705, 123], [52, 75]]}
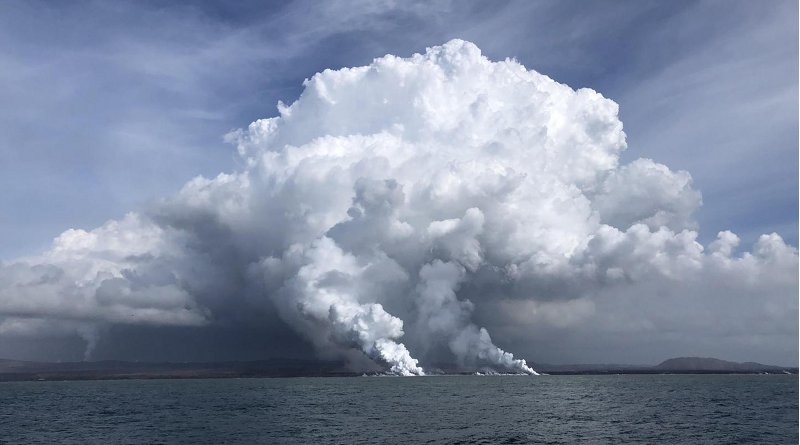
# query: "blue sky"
{"points": [[108, 106]]}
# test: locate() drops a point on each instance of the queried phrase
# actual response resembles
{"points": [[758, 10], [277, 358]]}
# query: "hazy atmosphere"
{"points": [[399, 185]]}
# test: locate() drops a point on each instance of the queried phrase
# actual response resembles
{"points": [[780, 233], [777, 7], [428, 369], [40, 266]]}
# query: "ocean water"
{"points": [[673, 409]]}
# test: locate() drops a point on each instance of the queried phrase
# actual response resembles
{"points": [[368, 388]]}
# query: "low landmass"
{"points": [[678, 365], [17, 370]]}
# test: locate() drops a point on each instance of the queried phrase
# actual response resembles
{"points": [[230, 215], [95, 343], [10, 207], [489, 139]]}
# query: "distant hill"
{"points": [[678, 365], [707, 364]]}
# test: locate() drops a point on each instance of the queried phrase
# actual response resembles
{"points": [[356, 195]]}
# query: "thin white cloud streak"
{"points": [[727, 110]]}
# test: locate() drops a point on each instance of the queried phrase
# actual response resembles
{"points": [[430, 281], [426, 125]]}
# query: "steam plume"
{"points": [[376, 211]]}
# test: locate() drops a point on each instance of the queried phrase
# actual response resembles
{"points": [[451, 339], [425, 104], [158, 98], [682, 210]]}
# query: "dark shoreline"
{"points": [[15, 370], [89, 376]]}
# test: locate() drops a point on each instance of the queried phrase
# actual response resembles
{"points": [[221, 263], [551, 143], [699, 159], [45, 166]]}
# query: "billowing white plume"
{"points": [[399, 195]]}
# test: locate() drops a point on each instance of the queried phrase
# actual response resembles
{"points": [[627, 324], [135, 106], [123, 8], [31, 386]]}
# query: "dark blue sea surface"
{"points": [[674, 409]]}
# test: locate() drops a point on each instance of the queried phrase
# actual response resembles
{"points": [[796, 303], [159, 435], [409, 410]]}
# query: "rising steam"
{"points": [[376, 210]]}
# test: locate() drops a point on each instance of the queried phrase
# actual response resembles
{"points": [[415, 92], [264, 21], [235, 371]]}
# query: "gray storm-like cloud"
{"points": [[377, 212]]}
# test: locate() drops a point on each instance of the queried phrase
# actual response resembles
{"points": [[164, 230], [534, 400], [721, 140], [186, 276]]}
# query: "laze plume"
{"points": [[374, 212]]}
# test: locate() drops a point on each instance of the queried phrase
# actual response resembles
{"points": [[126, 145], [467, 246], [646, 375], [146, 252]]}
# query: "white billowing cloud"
{"points": [[377, 210], [649, 193], [111, 274], [725, 243]]}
